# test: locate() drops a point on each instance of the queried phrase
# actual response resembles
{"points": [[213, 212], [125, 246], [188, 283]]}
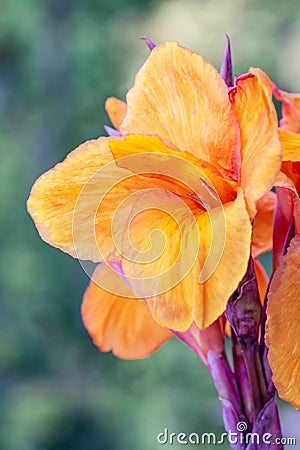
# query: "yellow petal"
{"points": [[194, 275], [290, 145], [283, 325], [159, 264], [73, 204], [116, 110], [180, 97], [262, 236], [216, 290], [150, 154], [261, 152], [117, 323]]}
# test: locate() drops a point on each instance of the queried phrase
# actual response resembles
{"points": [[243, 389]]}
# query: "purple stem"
{"points": [[252, 371], [227, 389], [244, 315], [266, 429], [242, 377]]}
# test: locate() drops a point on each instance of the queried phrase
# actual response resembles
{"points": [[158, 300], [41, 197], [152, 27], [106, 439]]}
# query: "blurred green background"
{"points": [[59, 61]]}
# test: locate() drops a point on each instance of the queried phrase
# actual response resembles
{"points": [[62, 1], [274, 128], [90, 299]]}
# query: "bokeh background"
{"points": [[59, 61]]}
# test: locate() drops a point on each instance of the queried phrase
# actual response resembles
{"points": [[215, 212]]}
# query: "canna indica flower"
{"points": [[283, 311], [193, 160]]}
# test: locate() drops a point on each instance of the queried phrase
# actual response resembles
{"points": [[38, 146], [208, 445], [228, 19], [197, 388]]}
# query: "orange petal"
{"points": [[290, 110], [232, 265], [120, 324], [53, 198], [195, 276], [262, 279], [292, 170], [116, 110], [283, 324], [180, 97], [73, 204], [160, 263], [282, 180], [261, 152], [262, 236], [290, 145], [163, 161]]}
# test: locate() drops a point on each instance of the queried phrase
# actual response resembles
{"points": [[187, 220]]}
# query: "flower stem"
{"points": [[256, 394]]}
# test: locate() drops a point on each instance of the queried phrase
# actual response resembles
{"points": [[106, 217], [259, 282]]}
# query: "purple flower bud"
{"points": [[111, 131], [149, 42], [226, 67]]}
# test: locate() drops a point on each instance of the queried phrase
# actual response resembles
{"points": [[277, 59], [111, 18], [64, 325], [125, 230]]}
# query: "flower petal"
{"points": [[231, 267], [283, 325], [160, 265], [283, 221], [290, 145], [290, 110], [180, 97], [120, 324], [163, 161], [116, 110], [283, 181], [261, 152], [262, 279], [195, 274], [73, 204], [262, 236]]}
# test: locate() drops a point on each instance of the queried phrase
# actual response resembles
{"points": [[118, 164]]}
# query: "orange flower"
{"points": [[169, 204], [283, 311]]}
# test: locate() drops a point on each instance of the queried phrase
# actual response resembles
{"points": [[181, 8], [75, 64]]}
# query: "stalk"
{"points": [[257, 402]]}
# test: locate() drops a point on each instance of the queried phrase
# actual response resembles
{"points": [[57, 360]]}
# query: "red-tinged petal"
{"points": [[116, 110], [202, 341], [262, 236], [180, 97], [262, 279], [290, 110], [292, 171], [117, 323], [261, 152], [297, 214], [282, 180], [283, 324], [283, 218]]}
